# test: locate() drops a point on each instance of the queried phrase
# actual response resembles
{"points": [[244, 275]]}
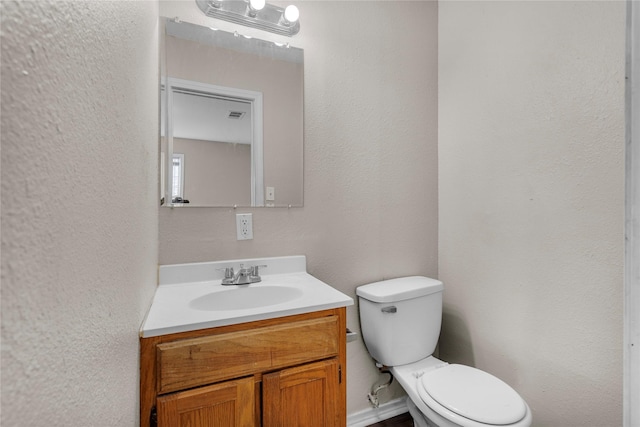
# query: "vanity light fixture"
{"points": [[254, 13]]}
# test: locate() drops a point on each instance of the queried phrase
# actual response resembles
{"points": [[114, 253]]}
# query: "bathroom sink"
{"points": [[191, 296], [244, 297]]}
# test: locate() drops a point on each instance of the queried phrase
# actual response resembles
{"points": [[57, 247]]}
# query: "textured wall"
{"points": [[531, 184], [370, 159], [79, 208]]}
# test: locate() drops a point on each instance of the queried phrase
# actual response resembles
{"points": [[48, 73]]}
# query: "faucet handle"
{"points": [[228, 275], [255, 274], [255, 270], [228, 271]]}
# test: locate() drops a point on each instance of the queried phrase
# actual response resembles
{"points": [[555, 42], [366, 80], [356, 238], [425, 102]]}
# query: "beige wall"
{"points": [[531, 142], [79, 208], [370, 159], [215, 172]]}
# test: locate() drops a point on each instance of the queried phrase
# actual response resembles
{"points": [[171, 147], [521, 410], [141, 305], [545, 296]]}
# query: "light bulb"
{"points": [[257, 4], [291, 13]]}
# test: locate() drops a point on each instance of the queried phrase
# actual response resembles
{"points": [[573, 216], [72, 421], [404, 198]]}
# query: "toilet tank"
{"points": [[400, 318]]}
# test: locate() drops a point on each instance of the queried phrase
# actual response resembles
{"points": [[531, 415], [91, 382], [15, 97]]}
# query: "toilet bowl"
{"points": [[440, 394], [456, 395]]}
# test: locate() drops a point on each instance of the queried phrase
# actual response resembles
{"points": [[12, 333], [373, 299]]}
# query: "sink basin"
{"points": [[244, 297], [190, 297]]}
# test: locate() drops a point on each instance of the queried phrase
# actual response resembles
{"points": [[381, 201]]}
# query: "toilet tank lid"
{"points": [[399, 289]]}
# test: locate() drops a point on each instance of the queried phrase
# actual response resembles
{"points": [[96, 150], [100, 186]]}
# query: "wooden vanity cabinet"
{"points": [[288, 371]]}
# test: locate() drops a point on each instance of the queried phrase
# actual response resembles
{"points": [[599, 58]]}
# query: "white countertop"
{"points": [[172, 309]]}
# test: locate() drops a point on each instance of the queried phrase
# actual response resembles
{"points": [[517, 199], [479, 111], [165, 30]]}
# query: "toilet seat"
{"points": [[461, 392]]}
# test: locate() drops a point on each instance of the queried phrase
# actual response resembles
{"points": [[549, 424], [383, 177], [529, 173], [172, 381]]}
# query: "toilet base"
{"points": [[418, 419]]}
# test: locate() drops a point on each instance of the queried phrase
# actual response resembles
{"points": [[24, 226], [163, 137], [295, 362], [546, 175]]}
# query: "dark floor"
{"points": [[403, 420]]}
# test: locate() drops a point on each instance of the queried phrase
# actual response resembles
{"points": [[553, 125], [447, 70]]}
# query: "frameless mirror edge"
{"points": [[258, 192]]}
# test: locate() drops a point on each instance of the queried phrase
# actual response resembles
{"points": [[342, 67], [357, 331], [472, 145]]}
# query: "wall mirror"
{"points": [[231, 119]]}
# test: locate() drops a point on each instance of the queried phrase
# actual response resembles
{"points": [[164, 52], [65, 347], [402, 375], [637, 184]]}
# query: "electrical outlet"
{"points": [[244, 226]]}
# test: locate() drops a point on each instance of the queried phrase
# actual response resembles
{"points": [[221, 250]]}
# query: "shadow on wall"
{"points": [[455, 340]]}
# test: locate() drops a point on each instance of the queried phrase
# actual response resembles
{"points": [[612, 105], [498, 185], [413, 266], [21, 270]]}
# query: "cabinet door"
{"points": [[305, 396], [229, 404]]}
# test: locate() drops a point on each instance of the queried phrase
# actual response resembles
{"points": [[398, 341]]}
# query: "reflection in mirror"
{"points": [[232, 119], [220, 130]]}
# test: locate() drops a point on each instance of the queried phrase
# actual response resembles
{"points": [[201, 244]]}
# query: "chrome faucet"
{"points": [[244, 276]]}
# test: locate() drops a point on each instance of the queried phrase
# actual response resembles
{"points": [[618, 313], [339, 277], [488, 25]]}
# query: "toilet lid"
{"points": [[474, 394]]}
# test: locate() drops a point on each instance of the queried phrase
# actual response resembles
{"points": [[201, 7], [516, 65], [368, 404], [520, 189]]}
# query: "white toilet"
{"points": [[400, 321]]}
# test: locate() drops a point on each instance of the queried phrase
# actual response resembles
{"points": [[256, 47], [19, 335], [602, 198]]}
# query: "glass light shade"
{"points": [[291, 13], [257, 4]]}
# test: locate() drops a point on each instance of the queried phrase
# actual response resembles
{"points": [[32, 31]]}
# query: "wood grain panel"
{"points": [[226, 404], [303, 396], [191, 362]]}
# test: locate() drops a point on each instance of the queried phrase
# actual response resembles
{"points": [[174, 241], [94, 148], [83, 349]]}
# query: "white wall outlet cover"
{"points": [[244, 226], [271, 193]]}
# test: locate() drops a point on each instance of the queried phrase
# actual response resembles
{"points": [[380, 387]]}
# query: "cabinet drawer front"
{"points": [[193, 362]]}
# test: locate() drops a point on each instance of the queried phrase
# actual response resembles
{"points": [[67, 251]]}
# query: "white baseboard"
{"points": [[370, 416]]}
